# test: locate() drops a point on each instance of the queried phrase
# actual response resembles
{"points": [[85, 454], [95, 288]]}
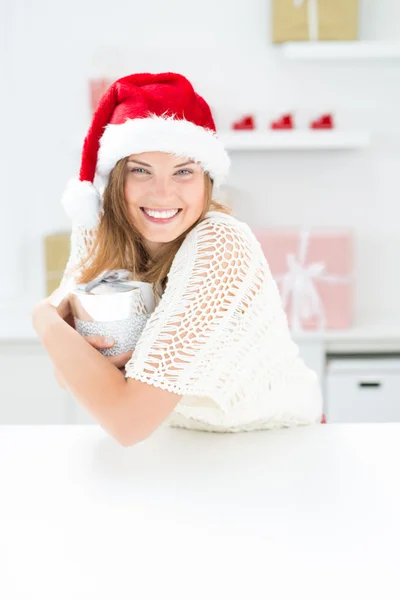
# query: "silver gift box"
{"points": [[113, 306]]}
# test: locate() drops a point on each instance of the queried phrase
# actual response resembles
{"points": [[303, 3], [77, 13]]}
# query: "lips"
{"points": [[158, 219], [158, 209]]}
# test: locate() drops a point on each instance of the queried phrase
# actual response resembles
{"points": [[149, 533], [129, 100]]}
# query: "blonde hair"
{"points": [[119, 245]]}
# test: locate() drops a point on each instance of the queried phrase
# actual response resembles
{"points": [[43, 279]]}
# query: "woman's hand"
{"points": [[45, 310], [99, 342]]}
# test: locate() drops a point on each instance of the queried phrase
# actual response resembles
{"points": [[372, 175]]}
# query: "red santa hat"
{"points": [[144, 112]]}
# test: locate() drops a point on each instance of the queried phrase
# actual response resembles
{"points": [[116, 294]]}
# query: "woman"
{"points": [[216, 353]]}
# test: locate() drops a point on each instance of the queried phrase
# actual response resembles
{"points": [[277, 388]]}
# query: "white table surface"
{"points": [[311, 512]]}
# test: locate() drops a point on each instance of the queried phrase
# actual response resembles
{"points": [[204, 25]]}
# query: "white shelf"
{"points": [[294, 140], [372, 335], [341, 50], [289, 140]]}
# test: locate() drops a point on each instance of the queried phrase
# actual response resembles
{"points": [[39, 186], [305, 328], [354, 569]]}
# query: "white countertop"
{"points": [[310, 512]]}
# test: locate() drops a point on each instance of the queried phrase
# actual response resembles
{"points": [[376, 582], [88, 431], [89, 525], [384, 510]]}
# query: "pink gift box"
{"points": [[314, 270]]}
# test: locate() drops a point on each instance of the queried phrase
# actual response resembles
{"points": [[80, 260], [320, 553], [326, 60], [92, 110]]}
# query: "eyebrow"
{"points": [[189, 162]]}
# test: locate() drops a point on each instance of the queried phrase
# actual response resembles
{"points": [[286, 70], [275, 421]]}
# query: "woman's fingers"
{"points": [[121, 359], [100, 342]]}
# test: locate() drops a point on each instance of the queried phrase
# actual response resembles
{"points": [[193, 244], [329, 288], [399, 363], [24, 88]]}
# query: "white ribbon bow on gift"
{"points": [[299, 284], [121, 276], [313, 17], [111, 276]]}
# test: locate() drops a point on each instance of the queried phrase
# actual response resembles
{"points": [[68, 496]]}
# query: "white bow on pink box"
{"points": [[312, 17], [314, 272]]}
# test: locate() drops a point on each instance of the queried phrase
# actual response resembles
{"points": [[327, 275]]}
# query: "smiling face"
{"points": [[164, 194]]}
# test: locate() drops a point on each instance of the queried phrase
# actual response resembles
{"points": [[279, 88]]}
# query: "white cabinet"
{"points": [[80, 416], [360, 390], [29, 392], [313, 354], [354, 390]]}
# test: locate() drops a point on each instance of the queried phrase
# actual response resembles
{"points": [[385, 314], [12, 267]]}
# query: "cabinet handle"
{"points": [[369, 384]]}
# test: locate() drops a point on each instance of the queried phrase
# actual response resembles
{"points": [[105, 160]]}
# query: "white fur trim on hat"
{"points": [[163, 134], [82, 203]]}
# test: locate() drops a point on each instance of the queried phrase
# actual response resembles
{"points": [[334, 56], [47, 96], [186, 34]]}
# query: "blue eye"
{"points": [[134, 170], [139, 169]]}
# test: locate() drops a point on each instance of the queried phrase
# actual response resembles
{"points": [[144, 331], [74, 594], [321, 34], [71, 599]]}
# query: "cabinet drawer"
{"points": [[357, 392]]}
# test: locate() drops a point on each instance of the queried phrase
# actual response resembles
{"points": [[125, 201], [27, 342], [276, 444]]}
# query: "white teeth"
{"points": [[157, 214]]}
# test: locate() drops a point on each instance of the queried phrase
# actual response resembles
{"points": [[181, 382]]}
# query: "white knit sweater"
{"points": [[219, 336]]}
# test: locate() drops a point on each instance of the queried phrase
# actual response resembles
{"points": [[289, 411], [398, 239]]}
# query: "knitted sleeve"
{"points": [[187, 340], [81, 242]]}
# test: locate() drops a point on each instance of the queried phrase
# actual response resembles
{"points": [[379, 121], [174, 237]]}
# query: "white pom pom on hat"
{"points": [[82, 203], [144, 112]]}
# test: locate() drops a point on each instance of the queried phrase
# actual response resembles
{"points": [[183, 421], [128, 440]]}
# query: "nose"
{"points": [[163, 188]]}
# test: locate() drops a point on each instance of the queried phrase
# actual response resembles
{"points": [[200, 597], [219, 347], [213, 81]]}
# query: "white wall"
{"points": [[223, 46]]}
